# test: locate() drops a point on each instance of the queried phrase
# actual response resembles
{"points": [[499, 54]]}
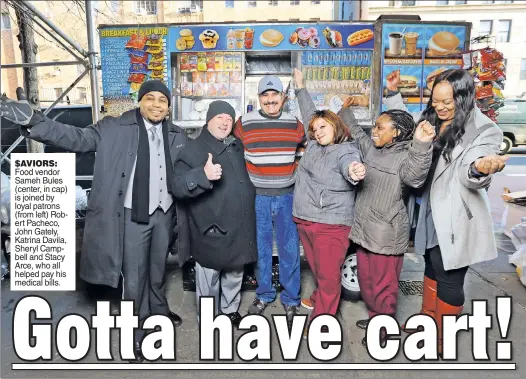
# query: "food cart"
{"points": [[204, 62]]}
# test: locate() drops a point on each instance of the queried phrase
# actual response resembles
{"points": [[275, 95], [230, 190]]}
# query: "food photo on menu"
{"points": [[444, 43], [404, 41]]}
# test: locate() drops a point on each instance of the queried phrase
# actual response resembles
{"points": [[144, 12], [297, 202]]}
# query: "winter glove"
{"points": [[19, 112]]}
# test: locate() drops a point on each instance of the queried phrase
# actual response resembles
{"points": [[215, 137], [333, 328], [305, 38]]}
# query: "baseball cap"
{"points": [[270, 82]]}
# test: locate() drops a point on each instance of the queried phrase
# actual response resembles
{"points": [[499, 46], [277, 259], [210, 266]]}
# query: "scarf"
{"points": [[141, 181]]}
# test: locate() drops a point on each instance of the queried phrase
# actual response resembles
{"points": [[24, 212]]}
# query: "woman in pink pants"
{"points": [[324, 197]]}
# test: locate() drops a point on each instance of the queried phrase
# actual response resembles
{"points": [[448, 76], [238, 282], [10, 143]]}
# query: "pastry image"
{"points": [[186, 40], [271, 38], [305, 37], [359, 37], [430, 80], [443, 43], [185, 33], [293, 39], [333, 37], [209, 38], [314, 42]]}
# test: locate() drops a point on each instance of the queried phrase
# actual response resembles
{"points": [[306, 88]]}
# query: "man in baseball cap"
{"points": [[263, 133]]}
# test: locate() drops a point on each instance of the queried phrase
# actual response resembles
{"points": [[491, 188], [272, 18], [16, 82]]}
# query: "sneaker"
{"points": [[235, 317], [362, 324], [291, 310], [307, 303], [257, 307]]}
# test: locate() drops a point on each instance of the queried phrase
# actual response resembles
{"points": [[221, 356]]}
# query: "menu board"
{"points": [[271, 37], [130, 56], [332, 76], [420, 52]]}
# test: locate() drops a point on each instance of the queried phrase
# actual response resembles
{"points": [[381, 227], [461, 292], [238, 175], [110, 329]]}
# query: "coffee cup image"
{"points": [[443, 43], [395, 43], [411, 39]]}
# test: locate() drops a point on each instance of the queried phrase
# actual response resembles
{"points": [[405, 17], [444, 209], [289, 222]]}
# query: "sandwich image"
{"points": [[443, 43], [408, 81], [408, 86], [209, 38], [333, 37], [271, 38], [430, 80]]}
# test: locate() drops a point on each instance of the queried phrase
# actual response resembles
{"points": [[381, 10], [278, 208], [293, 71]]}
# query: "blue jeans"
{"points": [[277, 210]]}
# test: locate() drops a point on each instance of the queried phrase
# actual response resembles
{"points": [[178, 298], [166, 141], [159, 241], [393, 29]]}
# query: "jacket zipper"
{"points": [[451, 221]]}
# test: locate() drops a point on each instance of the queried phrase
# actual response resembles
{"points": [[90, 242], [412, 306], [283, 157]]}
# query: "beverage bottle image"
{"points": [[231, 39]]}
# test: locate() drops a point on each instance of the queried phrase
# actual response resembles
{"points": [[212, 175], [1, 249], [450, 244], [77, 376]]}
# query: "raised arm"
{"points": [[307, 106], [67, 137], [415, 167], [357, 133]]}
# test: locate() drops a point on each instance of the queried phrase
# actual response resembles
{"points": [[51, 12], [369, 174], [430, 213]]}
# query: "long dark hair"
{"points": [[464, 96]]}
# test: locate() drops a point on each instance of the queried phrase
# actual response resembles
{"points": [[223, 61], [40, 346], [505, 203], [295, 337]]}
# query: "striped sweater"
{"points": [[271, 144]]}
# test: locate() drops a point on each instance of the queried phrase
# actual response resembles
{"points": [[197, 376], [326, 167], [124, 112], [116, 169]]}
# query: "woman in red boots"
{"points": [[454, 228]]}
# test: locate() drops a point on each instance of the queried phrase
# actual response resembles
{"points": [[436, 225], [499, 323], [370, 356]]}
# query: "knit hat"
{"points": [[220, 107], [152, 86]]}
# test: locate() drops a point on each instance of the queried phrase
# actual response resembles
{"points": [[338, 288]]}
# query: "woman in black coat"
{"points": [[218, 196]]}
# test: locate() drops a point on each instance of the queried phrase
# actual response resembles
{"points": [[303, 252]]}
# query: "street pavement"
{"points": [[484, 281]]}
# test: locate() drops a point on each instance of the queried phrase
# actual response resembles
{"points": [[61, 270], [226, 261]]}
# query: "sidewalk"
{"points": [[485, 281]]}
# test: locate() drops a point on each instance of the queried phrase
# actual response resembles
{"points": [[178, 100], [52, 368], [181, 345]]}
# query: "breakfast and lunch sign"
{"points": [[237, 37], [130, 56], [420, 52]]}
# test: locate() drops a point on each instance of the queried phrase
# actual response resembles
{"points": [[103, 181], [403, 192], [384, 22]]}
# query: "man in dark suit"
{"points": [[131, 211]]}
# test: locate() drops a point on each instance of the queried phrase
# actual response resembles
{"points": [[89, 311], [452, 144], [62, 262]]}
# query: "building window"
{"points": [[252, 4], [506, 1], [315, 2], [408, 3], [315, 19], [294, 19], [6, 21], [442, 2], [58, 92], [488, 1], [503, 33], [523, 69], [80, 69], [295, 2], [145, 7], [114, 6], [273, 3], [229, 4], [485, 27], [460, 2], [391, 3], [81, 95]]}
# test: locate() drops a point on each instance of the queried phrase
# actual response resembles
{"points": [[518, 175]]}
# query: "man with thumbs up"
{"points": [[219, 200]]}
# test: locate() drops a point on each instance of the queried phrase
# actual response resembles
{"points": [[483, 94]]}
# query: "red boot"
{"points": [[442, 309], [429, 300]]}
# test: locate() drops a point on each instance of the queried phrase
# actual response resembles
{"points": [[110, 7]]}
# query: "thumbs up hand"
{"points": [[212, 171]]}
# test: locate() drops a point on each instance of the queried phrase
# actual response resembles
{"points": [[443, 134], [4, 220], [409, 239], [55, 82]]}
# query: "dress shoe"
{"points": [[139, 358], [362, 324], [235, 318], [176, 320]]}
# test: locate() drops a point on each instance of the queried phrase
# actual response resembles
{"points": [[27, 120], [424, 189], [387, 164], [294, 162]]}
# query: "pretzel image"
{"points": [[360, 37]]}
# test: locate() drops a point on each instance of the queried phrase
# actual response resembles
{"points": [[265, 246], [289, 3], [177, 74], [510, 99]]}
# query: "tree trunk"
{"points": [[29, 49]]}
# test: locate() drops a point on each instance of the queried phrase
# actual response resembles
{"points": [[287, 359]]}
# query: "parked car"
{"points": [[512, 121]]}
